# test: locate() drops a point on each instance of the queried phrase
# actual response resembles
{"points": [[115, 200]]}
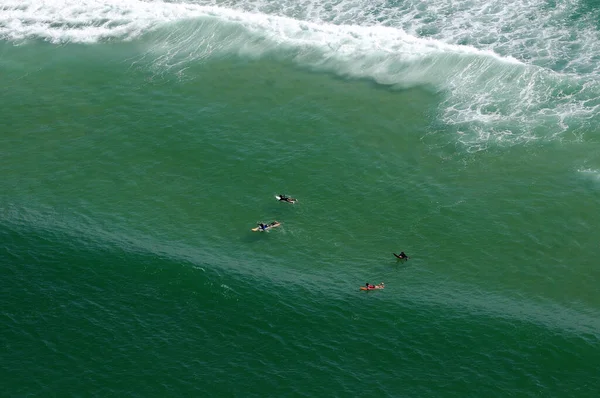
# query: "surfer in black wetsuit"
{"points": [[402, 256], [283, 198], [262, 226]]}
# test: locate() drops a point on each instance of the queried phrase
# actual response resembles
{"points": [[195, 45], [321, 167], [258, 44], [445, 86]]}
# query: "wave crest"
{"points": [[486, 97]]}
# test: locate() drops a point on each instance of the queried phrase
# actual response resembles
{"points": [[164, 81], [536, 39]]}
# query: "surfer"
{"points": [[262, 226], [373, 287], [283, 198], [401, 256]]}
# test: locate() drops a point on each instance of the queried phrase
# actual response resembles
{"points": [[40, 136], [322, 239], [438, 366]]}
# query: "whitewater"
{"points": [[503, 79]]}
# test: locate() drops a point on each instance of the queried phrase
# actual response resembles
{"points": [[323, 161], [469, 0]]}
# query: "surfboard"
{"points": [[293, 200], [274, 224], [377, 287]]}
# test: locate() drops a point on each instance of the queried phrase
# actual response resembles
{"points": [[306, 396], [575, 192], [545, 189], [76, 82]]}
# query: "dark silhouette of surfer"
{"points": [[401, 256]]}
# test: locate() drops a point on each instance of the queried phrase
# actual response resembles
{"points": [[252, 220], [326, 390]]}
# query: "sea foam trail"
{"points": [[487, 97], [591, 174], [533, 31]]}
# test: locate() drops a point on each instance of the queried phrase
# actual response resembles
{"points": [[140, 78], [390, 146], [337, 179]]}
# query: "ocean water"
{"points": [[140, 141]]}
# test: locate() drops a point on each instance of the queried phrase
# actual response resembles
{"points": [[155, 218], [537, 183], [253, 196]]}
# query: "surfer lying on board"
{"points": [[262, 226], [401, 256], [283, 198], [372, 287]]}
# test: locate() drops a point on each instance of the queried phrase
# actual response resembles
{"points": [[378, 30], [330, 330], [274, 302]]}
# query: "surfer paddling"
{"points": [[284, 198], [368, 286], [265, 227], [262, 226], [401, 256]]}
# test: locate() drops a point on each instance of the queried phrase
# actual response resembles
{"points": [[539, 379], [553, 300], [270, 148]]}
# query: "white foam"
{"points": [[593, 174], [549, 37], [86, 21], [94, 20], [532, 31], [488, 97]]}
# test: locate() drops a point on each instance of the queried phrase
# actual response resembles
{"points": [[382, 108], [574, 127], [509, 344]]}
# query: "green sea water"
{"points": [[134, 166]]}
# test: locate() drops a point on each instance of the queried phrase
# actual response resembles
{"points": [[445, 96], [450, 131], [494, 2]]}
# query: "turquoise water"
{"points": [[141, 141]]}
